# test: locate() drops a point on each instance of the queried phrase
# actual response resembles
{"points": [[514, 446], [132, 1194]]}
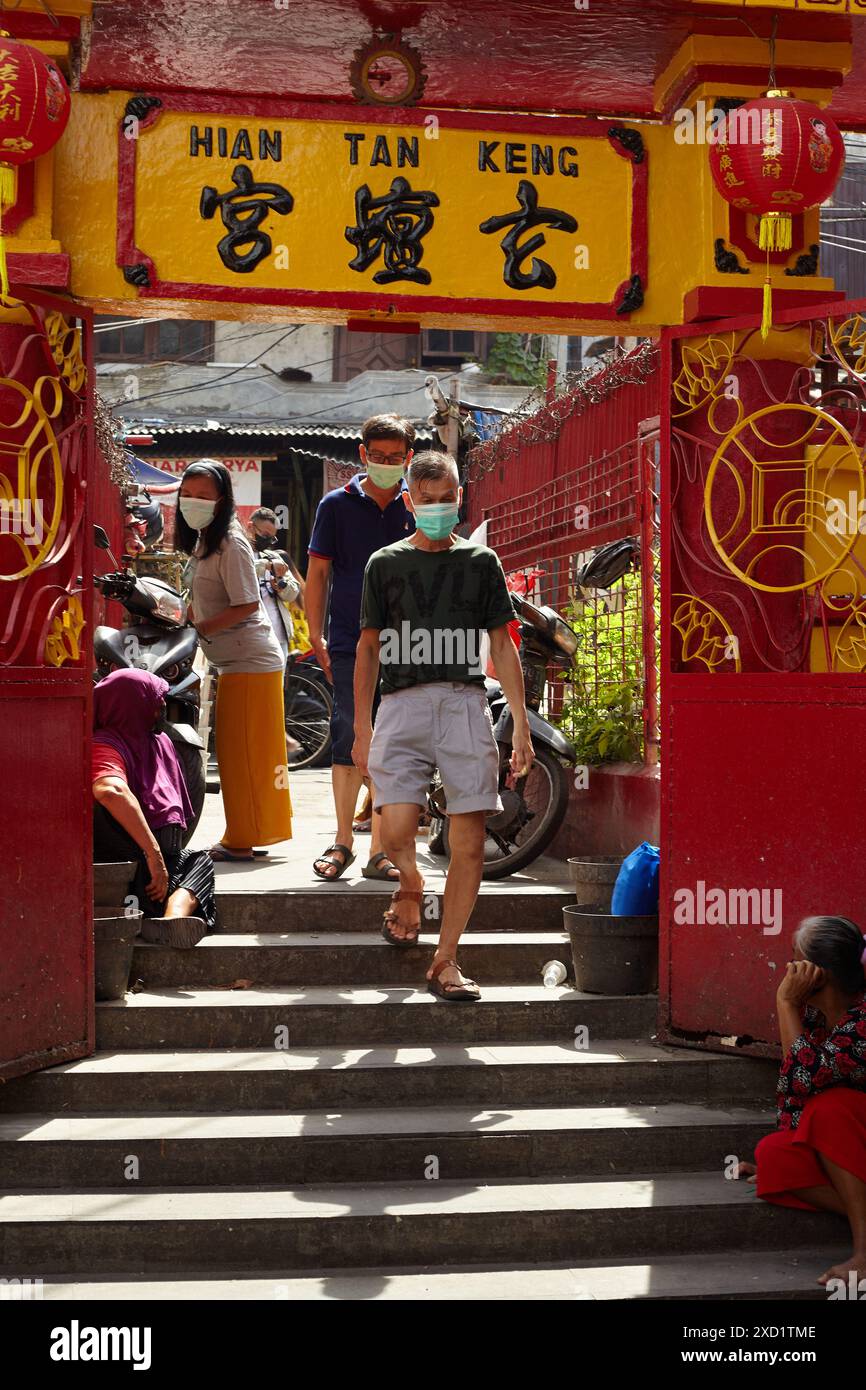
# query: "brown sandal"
{"points": [[391, 917], [466, 993]]}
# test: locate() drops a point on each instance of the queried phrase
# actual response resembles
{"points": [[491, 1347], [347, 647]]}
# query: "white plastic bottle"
{"points": [[554, 974]]}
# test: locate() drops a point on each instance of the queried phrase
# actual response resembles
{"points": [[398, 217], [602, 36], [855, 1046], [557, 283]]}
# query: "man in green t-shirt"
{"points": [[426, 602]]}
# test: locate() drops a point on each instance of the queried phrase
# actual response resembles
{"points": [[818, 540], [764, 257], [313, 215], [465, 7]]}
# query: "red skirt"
{"points": [[833, 1124]]}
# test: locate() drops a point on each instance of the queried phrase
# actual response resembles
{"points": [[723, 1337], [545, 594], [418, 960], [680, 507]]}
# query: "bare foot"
{"points": [[857, 1263], [746, 1170]]}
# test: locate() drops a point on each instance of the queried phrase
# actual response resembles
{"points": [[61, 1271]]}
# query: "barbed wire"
{"points": [[530, 424], [107, 428]]}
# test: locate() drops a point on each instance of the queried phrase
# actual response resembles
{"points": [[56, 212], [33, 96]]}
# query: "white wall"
{"points": [[307, 345]]}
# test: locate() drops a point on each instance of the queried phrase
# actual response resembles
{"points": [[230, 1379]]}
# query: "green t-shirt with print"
{"points": [[431, 608]]}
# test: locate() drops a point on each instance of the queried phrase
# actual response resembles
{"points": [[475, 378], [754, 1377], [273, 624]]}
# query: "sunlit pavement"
{"points": [[290, 865]]}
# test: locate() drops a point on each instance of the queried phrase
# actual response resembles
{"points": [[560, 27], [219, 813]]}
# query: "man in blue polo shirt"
{"points": [[351, 523]]}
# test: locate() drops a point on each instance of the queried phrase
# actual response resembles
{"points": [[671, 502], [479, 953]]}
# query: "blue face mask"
{"points": [[436, 519]]}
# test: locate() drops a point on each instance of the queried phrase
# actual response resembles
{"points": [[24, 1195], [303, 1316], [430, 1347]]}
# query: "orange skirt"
{"points": [[833, 1124], [251, 752]]}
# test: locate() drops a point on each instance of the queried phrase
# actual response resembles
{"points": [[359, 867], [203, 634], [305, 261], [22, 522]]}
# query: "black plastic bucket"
{"points": [[594, 876], [111, 886], [114, 942], [612, 955]]}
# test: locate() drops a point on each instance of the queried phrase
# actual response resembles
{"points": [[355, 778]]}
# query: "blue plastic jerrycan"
{"points": [[636, 891]]}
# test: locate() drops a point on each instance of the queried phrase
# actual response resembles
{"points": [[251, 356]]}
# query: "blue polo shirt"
{"points": [[349, 527]]}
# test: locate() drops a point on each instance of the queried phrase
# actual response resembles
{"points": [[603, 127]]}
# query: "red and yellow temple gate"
{"points": [[383, 163], [763, 657]]}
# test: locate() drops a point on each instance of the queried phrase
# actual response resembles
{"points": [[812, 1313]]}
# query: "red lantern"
{"points": [[34, 109], [775, 156]]}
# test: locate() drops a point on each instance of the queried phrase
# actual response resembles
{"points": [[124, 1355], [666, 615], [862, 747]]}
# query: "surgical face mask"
{"points": [[197, 512], [385, 475], [436, 519]]}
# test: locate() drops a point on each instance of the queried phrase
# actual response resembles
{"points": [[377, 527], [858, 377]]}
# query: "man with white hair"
{"points": [[426, 601]]}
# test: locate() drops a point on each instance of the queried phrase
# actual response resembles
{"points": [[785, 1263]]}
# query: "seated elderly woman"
{"points": [[816, 1159], [143, 807]]}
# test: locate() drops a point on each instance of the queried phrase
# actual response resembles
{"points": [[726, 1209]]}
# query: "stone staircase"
{"points": [[285, 1112]]}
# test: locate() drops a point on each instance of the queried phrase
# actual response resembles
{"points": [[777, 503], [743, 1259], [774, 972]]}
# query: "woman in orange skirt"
{"points": [[816, 1159], [238, 639]]}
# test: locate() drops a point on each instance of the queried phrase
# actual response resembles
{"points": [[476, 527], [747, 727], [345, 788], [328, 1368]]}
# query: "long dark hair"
{"points": [[837, 944], [185, 538]]}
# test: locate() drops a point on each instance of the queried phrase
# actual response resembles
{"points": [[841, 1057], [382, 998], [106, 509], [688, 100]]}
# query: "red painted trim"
{"points": [[830, 305], [738, 235], [664, 706], [22, 208], [364, 299], [127, 252], [90, 453], [351, 112], [49, 269], [22, 25], [717, 302], [725, 323]]}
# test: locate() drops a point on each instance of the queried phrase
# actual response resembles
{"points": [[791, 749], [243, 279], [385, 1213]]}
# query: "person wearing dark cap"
{"points": [[238, 639]]}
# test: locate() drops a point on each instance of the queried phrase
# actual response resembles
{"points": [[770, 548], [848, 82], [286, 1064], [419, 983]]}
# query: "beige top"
{"points": [[225, 579]]}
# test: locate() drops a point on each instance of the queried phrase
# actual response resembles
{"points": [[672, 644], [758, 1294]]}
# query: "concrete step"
{"points": [[423, 1223], [309, 1017], [604, 1073], [353, 958], [748, 1275], [358, 906], [178, 1150]]}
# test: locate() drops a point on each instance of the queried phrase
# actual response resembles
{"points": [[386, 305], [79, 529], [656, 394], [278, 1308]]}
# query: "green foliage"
{"points": [[518, 358], [604, 718], [607, 727]]}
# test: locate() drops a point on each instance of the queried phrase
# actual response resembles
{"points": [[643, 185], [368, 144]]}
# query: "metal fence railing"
{"points": [[608, 704]]}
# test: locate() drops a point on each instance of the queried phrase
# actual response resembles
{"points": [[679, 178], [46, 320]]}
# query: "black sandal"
{"points": [[411, 895], [375, 868], [329, 857]]}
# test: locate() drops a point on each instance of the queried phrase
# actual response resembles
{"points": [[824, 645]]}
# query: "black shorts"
{"points": [[343, 714]]}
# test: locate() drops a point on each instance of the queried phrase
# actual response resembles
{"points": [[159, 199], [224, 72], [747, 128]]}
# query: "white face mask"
{"points": [[197, 512]]}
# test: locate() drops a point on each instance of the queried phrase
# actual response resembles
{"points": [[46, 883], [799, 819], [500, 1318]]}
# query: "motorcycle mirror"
{"points": [[100, 539]]}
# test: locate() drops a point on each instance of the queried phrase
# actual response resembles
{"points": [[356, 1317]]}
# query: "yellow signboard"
{"points": [[443, 212]]}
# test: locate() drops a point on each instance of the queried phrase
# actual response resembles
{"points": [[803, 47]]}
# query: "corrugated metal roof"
{"points": [[297, 430]]}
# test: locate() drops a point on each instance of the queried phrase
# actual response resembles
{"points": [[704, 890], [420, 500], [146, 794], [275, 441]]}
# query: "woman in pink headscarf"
{"points": [[143, 808]]}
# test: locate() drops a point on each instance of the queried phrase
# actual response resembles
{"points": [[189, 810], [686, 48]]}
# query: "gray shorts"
{"points": [[442, 725]]}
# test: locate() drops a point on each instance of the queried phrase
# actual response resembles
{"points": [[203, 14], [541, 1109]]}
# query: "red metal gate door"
{"points": [[46, 439], [763, 660]]}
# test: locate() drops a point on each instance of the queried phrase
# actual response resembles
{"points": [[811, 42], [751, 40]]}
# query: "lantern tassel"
{"points": [[7, 198], [767, 315], [774, 231]]}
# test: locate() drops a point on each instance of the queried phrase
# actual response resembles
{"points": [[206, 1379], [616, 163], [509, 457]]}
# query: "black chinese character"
{"points": [[540, 273], [393, 224], [243, 211]]}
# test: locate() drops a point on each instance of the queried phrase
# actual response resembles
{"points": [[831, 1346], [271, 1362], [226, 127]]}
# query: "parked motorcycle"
{"points": [[160, 640], [533, 808]]}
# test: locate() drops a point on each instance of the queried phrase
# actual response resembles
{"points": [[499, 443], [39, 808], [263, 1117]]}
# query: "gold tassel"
{"points": [[774, 231], [767, 315], [8, 185]]}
